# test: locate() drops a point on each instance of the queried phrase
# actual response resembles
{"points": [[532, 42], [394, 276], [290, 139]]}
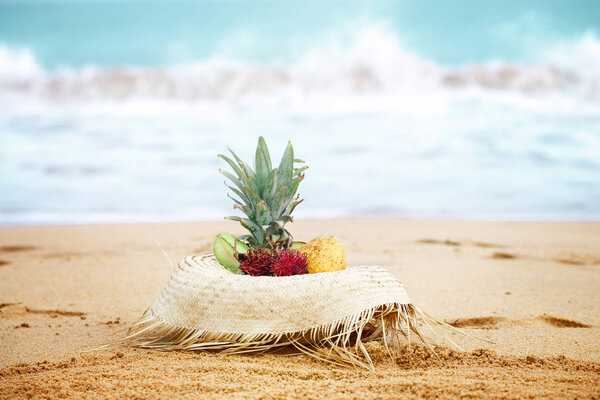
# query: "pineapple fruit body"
{"points": [[324, 254]]}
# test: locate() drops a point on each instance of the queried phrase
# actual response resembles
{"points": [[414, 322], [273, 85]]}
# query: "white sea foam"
{"points": [[374, 64], [386, 132], [18, 65]]}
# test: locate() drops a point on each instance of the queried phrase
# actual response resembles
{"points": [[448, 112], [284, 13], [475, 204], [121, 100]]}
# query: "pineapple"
{"points": [[266, 195]]}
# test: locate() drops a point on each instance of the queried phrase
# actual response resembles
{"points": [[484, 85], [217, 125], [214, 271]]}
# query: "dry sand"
{"points": [[532, 288]]}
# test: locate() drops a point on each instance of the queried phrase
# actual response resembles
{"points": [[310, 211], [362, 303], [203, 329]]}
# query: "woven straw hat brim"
{"points": [[205, 306], [203, 295]]}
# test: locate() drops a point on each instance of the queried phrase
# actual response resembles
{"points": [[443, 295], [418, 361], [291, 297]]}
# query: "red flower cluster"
{"points": [[262, 262]]}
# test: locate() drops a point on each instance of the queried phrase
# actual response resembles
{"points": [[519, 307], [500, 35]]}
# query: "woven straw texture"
{"points": [[327, 315], [203, 295]]}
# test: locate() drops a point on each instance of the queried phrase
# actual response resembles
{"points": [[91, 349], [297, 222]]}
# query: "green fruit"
{"points": [[297, 245], [237, 244], [225, 254]]}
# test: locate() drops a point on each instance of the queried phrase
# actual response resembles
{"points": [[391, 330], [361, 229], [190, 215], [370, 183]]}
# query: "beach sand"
{"points": [[531, 288]]}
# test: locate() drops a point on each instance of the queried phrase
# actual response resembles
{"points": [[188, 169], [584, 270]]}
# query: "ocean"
{"points": [[115, 111]]}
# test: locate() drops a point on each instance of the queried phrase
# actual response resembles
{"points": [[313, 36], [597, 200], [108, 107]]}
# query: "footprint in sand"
{"points": [[578, 259], [2, 305], [568, 258], [13, 249], [449, 242], [487, 245], [16, 248], [56, 313], [496, 322], [500, 255], [561, 322], [477, 322], [20, 309], [446, 242]]}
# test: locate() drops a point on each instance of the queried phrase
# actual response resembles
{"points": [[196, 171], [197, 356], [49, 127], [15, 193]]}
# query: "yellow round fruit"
{"points": [[324, 254]]}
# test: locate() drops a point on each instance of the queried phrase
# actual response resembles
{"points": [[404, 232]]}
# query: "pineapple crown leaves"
{"points": [[266, 195]]}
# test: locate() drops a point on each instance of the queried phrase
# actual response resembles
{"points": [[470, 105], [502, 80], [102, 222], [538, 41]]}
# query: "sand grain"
{"points": [[88, 282]]}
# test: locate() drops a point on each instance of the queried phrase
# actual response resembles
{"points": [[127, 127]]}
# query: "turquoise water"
{"points": [[115, 33], [115, 111]]}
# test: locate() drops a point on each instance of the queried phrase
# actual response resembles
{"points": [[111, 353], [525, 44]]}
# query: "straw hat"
{"points": [[327, 315]]}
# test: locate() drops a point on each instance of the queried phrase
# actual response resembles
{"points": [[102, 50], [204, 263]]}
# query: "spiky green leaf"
{"points": [[240, 194], [243, 165], [245, 209], [298, 171], [254, 228], [270, 187], [252, 194], [265, 195], [233, 179], [236, 168], [262, 161], [262, 212], [236, 201], [286, 166]]}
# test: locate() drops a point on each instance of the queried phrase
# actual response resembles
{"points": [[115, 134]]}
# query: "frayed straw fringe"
{"points": [[341, 342], [172, 324]]}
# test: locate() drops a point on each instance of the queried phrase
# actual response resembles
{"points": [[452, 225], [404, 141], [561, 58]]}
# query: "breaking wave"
{"points": [[400, 133], [376, 62]]}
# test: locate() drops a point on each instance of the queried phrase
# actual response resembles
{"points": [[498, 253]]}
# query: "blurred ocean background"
{"points": [[115, 110]]}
